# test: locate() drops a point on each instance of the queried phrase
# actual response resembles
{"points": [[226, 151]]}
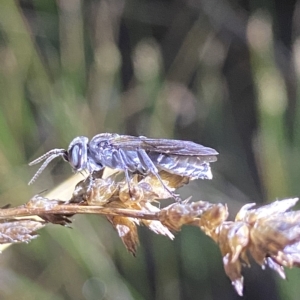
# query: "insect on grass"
{"points": [[134, 155]]}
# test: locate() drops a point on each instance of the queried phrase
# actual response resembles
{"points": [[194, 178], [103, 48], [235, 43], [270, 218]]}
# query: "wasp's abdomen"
{"points": [[194, 167]]}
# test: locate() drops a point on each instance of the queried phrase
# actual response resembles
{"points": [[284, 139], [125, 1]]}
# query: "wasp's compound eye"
{"points": [[77, 155]]}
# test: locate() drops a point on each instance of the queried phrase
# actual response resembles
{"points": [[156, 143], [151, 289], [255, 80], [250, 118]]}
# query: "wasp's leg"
{"points": [[149, 166], [120, 157]]}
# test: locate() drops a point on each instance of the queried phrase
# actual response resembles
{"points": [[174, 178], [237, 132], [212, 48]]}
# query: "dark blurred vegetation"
{"points": [[221, 73]]}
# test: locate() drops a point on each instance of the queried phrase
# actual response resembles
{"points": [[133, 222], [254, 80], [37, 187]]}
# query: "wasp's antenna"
{"points": [[47, 157], [53, 152]]}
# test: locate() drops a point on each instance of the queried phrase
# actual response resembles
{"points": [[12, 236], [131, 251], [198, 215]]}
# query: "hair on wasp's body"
{"points": [[132, 154]]}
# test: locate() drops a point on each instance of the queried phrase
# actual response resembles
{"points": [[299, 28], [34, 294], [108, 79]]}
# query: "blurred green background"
{"points": [[221, 73]]}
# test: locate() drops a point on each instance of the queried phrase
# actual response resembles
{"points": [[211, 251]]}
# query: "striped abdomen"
{"points": [[194, 167]]}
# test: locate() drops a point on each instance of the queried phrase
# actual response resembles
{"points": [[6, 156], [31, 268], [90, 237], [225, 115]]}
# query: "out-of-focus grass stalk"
{"points": [[147, 62], [295, 153], [169, 102], [187, 58], [22, 47], [72, 43], [103, 84], [272, 101], [19, 63]]}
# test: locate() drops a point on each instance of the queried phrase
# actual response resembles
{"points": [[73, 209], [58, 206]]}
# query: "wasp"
{"points": [[134, 155]]}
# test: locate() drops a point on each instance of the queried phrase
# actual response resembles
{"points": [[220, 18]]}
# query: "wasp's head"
{"points": [[77, 154]]}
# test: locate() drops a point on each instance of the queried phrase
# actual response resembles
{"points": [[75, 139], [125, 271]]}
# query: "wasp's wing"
{"points": [[165, 146]]}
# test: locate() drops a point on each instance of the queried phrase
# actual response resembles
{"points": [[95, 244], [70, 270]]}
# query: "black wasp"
{"points": [[132, 154]]}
